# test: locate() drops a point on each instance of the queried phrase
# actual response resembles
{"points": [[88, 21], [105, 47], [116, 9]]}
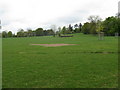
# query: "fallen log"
{"points": [[66, 36]]}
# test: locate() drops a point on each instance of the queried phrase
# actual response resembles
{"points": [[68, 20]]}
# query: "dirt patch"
{"points": [[53, 45]]}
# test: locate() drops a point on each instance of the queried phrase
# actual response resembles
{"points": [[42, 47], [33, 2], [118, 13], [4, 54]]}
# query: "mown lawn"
{"points": [[91, 64]]}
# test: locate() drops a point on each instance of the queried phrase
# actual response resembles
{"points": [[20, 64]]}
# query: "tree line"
{"points": [[28, 33], [95, 24], [41, 32], [109, 26]]}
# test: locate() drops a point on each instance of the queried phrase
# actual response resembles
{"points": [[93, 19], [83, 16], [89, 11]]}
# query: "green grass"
{"points": [[27, 66]]}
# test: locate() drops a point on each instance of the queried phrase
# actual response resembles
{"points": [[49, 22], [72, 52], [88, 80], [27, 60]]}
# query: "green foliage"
{"points": [[99, 27], [4, 34], [93, 28], [20, 33], [86, 28], [70, 28], [80, 27], [77, 28], [30, 33], [111, 25], [39, 32], [64, 30], [90, 27], [50, 32], [94, 19], [10, 34]]}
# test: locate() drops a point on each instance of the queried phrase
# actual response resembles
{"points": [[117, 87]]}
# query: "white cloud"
{"points": [[24, 14]]}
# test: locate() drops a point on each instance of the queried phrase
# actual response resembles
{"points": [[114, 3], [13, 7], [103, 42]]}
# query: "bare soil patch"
{"points": [[53, 45]]}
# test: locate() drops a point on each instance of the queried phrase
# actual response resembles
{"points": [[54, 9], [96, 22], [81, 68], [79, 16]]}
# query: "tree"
{"points": [[39, 32], [76, 26], [94, 19], [99, 27], [4, 34], [80, 27], [76, 30], [10, 34], [93, 23], [50, 32], [34, 33], [45, 32], [70, 28], [63, 30], [111, 25], [20, 33], [86, 28]]}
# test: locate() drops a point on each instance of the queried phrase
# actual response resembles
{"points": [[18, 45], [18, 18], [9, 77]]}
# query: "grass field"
{"points": [[91, 64]]}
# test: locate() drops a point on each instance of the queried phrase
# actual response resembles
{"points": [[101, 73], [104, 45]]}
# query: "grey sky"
{"points": [[32, 14]]}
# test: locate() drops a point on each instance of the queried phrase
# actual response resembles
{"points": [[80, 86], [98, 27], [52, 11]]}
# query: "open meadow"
{"points": [[92, 63]]}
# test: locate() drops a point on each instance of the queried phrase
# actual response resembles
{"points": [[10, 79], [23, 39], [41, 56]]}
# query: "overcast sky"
{"points": [[33, 14]]}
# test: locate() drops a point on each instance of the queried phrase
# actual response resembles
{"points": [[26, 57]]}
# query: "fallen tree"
{"points": [[65, 35]]}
